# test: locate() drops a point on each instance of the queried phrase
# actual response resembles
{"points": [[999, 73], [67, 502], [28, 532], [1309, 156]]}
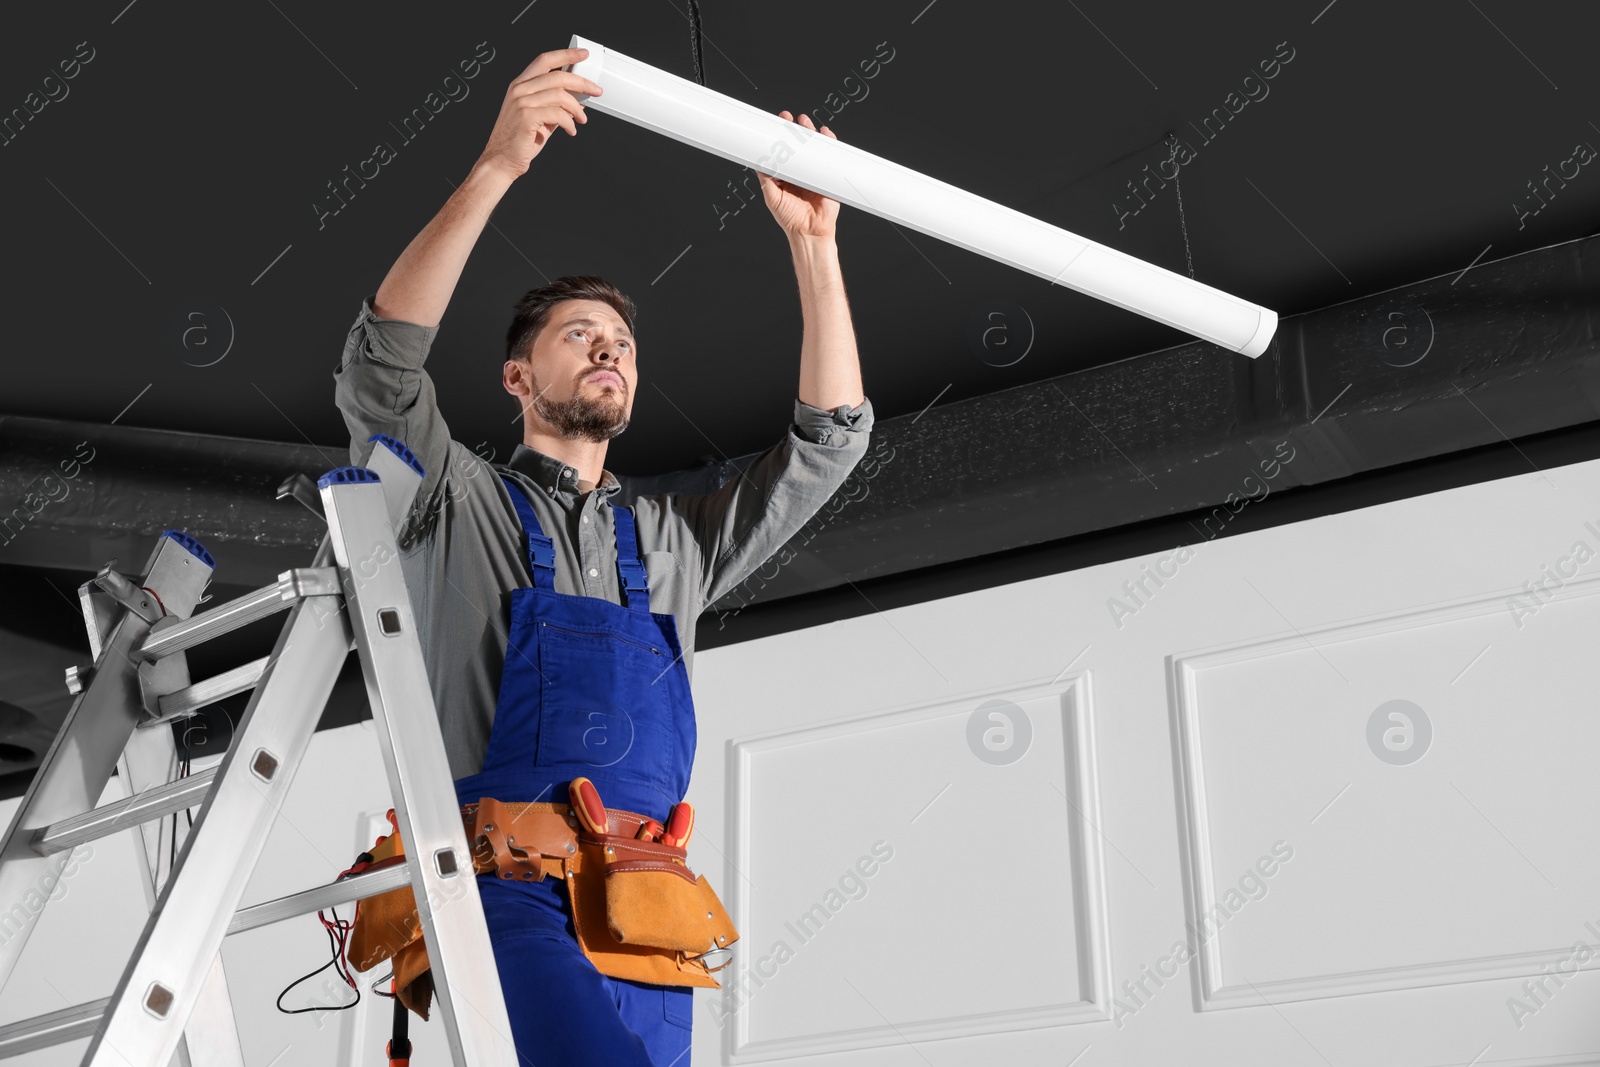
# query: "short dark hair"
{"points": [[533, 310]]}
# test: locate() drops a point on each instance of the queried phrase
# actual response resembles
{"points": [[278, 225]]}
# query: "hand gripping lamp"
{"points": [[747, 135]]}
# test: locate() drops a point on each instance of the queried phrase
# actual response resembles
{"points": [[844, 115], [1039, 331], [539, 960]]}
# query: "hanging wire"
{"points": [[694, 39], [338, 938], [339, 931], [1183, 223]]}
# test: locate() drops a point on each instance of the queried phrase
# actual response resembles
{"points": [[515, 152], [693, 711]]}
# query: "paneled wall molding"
{"points": [[1080, 818], [1211, 983]]}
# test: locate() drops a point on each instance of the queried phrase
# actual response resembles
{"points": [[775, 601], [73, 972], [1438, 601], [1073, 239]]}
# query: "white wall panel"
{"points": [[1413, 881], [814, 802]]}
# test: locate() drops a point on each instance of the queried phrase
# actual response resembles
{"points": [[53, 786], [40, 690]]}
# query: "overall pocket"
{"points": [[597, 708]]}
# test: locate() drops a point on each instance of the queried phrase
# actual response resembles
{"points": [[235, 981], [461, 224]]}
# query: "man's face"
{"points": [[583, 371]]}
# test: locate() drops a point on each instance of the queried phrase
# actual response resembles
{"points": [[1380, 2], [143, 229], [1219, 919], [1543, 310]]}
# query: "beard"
{"points": [[579, 416]]}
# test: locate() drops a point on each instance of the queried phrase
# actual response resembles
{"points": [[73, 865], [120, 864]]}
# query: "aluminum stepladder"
{"points": [[352, 596]]}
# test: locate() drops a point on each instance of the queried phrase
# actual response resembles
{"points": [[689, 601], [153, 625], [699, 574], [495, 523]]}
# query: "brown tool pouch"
{"points": [[639, 912], [387, 926], [665, 928], [653, 898]]}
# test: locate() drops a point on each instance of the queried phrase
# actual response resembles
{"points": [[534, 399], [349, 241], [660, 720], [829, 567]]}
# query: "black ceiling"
{"points": [[189, 152]]}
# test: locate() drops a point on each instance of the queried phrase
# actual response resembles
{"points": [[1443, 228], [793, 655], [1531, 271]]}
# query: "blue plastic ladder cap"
{"points": [[192, 543], [347, 476], [408, 457]]}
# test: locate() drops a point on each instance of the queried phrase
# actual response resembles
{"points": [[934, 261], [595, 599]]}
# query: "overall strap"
{"points": [[630, 568], [631, 574], [541, 550]]}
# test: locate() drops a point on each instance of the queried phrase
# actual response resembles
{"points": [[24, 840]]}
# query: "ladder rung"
{"points": [[56, 1028], [291, 586], [191, 698], [356, 887], [164, 799]]}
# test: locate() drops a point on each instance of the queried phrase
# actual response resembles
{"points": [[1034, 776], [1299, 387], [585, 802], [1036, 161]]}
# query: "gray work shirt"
{"points": [[462, 551]]}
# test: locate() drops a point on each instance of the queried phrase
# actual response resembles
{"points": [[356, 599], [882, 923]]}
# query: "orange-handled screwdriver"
{"points": [[680, 824], [586, 802]]}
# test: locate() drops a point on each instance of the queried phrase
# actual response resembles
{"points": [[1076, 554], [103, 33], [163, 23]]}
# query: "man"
{"points": [[550, 663]]}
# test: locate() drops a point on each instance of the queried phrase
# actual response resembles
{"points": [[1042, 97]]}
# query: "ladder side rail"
{"points": [[466, 982], [145, 762], [212, 1036]]}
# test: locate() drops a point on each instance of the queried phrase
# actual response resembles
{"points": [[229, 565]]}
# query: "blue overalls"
{"points": [[597, 690]]}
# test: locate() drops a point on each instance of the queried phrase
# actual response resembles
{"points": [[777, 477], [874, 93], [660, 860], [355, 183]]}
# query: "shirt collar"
{"points": [[555, 477]]}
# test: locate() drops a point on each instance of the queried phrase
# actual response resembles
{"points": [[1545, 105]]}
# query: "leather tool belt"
{"points": [[638, 910]]}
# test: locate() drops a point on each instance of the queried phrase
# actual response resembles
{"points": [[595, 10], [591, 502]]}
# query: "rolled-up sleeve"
{"points": [[824, 427], [744, 523], [381, 387]]}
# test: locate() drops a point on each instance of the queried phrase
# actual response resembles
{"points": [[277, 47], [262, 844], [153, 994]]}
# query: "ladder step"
{"points": [[190, 699], [176, 795], [56, 1028], [292, 585], [356, 887]]}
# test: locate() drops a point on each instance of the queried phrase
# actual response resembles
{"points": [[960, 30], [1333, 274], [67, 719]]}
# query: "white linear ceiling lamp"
{"points": [[723, 126]]}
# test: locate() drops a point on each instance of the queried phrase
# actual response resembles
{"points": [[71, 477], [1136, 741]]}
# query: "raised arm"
{"points": [[380, 384], [419, 285], [743, 524], [830, 368]]}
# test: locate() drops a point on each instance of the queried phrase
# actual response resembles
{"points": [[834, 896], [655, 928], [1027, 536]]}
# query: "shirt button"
{"points": [[593, 573], [551, 488], [586, 518]]}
